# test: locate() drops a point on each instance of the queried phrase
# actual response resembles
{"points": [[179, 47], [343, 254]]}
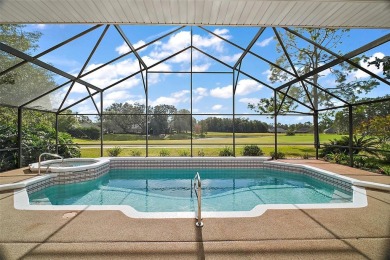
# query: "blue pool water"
{"points": [[171, 190]]}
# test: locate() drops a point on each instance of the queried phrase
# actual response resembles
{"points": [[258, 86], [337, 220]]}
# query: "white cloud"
{"points": [[249, 100], [79, 88], [112, 73], [244, 87], [173, 99], [211, 40], [199, 93], [359, 74], [233, 58], [300, 118], [265, 42], [201, 68], [247, 86], [222, 92], [124, 48], [216, 107], [268, 74]]}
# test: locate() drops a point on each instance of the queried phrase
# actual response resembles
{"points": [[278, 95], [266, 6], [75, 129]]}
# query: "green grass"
{"points": [[289, 150], [212, 138], [211, 145]]}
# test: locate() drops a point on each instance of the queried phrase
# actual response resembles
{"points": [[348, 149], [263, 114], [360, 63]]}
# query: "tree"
{"points": [[125, 118], [159, 122], [27, 81], [67, 122], [361, 116], [385, 62], [307, 57], [181, 121], [378, 126], [17, 87]]}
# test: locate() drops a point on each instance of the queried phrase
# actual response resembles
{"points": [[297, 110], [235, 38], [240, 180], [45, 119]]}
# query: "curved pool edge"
{"points": [[21, 199], [96, 163], [21, 202]]}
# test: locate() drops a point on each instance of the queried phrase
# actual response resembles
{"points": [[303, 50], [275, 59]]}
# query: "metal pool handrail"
{"points": [[198, 193], [51, 154]]}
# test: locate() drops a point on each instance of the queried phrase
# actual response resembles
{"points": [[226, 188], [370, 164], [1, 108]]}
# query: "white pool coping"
{"points": [[96, 163], [21, 200]]}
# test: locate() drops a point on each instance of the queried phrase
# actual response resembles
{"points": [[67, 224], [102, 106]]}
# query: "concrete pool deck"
{"points": [[360, 233]]}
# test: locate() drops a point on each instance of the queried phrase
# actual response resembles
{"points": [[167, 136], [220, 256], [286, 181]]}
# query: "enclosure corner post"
{"points": [[275, 127], [56, 133], [350, 134], [19, 137], [101, 124], [316, 133]]}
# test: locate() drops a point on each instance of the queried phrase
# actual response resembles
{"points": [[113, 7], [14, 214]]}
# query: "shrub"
{"points": [[135, 153], [386, 152], [279, 155], [164, 153], [92, 133], [227, 151], [290, 133], [201, 153], [114, 152], [361, 144], [184, 153], [252, 150], [360, 161], [337, 158], [306, 156], [384, 170]]}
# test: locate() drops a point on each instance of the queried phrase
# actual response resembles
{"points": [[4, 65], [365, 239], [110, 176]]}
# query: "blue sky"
{"points": [[211, 93]]}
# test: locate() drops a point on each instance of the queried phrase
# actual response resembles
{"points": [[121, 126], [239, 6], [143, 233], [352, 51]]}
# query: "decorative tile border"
{"points": [[61, 178], [188, 163], [183, 162], [324, 176]]}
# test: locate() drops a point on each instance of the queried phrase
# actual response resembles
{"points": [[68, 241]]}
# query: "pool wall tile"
{"points": [[187, 163]]}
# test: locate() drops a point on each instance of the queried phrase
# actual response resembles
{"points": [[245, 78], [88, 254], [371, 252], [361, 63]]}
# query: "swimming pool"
{"points": [[171, 190], [162, 188]]}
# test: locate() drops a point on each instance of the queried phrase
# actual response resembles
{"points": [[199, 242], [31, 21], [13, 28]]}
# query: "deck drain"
{"points": [[69, 215]]}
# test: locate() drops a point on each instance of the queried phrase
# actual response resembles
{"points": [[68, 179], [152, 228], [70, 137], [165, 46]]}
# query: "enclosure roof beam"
{"points": [[339, 56], [51, 49], [44, 65], [339, 60], [253, 41], [119, 29]]}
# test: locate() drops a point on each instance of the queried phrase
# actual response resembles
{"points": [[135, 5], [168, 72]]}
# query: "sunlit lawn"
{"points": [[211, 145], [290, 151], [218, 138]]}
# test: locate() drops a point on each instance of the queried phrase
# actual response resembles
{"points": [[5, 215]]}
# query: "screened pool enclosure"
{"points": [[186, 90]]}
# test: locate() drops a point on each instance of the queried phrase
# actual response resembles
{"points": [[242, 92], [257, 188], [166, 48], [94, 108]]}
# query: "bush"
{"points": [[252, 150], [92, 133], [164, 153], [114, 152], [384, 170], [279, 155], [306, 156], [201, 153], [227, 151], [290, 133], [361, 144], [135, 153], [184, 153], [340, 158], [386, 153]]}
